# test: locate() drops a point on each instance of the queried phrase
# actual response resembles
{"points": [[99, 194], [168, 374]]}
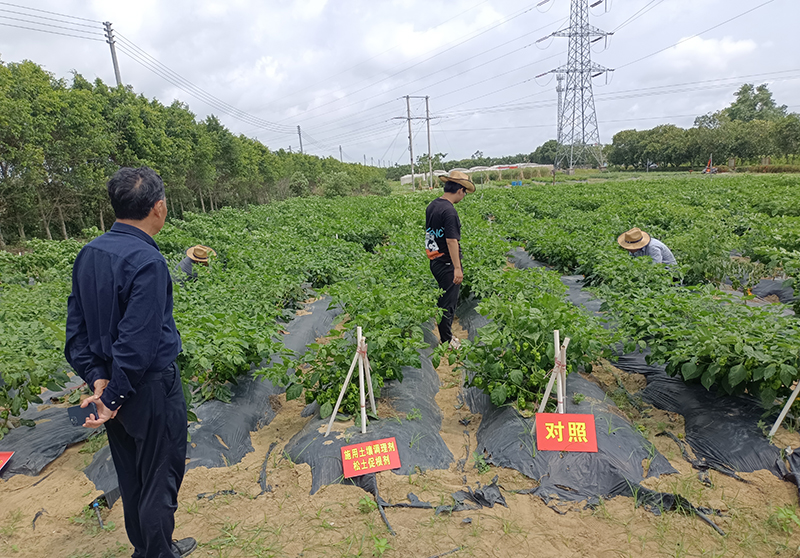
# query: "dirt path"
{"points": [[341, 521]]}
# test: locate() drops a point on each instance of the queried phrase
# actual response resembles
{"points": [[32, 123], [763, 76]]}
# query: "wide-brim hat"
{"points": [[200, 253], [460, 178], [633, 239]]}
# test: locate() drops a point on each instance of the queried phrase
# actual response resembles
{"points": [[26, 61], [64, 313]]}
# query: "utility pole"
{"points": [[409, 118], [410, 142], [301, 139], [577, 119], [110, 40], [430, 160], [340, 155]]}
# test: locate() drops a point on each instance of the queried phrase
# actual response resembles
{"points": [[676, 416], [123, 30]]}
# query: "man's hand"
{"points": [[100, 386], [104, 414], [458, 276]]}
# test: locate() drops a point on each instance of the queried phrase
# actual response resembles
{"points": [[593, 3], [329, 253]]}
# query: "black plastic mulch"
{"points": [[419, 443]]}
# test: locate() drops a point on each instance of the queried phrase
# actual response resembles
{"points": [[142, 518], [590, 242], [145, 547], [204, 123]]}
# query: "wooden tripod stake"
{"points": [[558, 375], [362, 360]]}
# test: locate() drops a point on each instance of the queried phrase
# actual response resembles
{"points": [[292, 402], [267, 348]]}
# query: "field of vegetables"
{"points": [[366, 252]]}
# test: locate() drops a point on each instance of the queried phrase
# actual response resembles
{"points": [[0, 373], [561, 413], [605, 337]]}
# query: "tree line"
{"points": [[60, 141], [750, 130]]}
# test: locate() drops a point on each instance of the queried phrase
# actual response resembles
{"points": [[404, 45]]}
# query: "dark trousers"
{"points": [[148, 445], [443, 273]]}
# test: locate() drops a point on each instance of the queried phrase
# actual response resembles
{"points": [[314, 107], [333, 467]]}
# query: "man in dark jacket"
{"points": [[122, 340], [442, 236]]}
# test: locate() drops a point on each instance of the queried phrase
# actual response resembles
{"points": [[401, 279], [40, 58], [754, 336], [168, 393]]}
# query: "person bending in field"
{"points": [[196, 255], [442, 236], [122, 340], [638, 243]]}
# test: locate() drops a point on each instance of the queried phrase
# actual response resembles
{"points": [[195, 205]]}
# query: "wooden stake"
{"points": [[557, 372], [785, 410], [361, 383], [369, 381], [341, 393]]}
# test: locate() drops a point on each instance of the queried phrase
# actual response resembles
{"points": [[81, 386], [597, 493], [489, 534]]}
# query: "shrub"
{"points": [[298, 185], [336, 184]]}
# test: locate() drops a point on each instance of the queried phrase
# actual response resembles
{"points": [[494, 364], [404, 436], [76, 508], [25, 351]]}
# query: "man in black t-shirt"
{"points": [[442, 236]]}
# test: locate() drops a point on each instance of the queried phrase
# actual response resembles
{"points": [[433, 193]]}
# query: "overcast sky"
{"points": [[340, 68]]}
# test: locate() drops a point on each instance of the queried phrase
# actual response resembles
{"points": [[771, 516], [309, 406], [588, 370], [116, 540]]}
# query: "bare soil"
{"points": [[339, 520]]}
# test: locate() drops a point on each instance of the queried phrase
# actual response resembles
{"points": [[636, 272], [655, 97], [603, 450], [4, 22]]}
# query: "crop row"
{"points": [[367, 254]]}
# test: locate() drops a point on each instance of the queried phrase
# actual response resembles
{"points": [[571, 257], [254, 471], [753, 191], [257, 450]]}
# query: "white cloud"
{"points": [[712, 54]]}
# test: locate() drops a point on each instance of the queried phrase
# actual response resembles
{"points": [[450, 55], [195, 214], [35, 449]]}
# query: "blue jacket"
{"points": [[119, 315]]}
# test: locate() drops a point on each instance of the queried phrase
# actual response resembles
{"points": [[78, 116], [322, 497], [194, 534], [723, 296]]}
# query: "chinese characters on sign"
{"points": [[370, 457], [564, 432], [4, 457]]}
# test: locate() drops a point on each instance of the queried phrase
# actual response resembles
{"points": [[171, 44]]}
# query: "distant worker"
{"points": [[195, 255], [442, 236], [639, 243]]}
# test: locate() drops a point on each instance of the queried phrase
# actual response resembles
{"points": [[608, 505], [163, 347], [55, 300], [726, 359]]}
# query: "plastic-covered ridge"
{"points": [[419, 443]]}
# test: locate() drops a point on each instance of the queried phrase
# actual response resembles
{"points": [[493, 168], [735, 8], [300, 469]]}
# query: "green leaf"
{"points": [[294, 391], [499, 395], [690, 370], [708, 377], [737, 374], [325, 410], [516, 376], [788, 374]]}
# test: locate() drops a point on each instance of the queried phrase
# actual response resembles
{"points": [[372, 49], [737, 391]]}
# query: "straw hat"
{"points": [[633, 239], [459, 178], [200, 253]]}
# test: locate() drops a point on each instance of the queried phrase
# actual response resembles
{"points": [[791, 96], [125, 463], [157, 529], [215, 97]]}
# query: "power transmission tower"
{"points": [[301, 139], [111, 41], [579, 137]]}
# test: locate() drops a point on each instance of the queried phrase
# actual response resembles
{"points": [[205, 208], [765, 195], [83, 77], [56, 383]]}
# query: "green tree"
{"points": [[754, 103], [787, 136]]}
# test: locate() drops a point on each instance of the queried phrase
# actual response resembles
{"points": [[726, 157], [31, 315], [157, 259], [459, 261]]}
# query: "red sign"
{"points": [[370, 457], [556, 432], [4, 457]]}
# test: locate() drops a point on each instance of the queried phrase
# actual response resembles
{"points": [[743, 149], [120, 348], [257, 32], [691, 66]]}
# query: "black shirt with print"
{"points": [[441, 223]]}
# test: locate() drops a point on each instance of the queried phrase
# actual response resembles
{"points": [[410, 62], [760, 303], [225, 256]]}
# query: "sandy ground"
{"points": [[339, 520]]}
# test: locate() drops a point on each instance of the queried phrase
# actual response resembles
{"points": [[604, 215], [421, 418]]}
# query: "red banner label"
{"points": [[4, 457], [556, 432], [370, 457]]}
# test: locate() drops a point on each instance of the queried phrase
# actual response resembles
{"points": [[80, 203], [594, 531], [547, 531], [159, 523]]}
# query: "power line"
{"points": [[400, 129], [638, 14], [696, 35], [151, 63], [515, 105], [51, 32], [50, 25], [506, 20], [47, 12], [48, 18], [374, 57]]}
